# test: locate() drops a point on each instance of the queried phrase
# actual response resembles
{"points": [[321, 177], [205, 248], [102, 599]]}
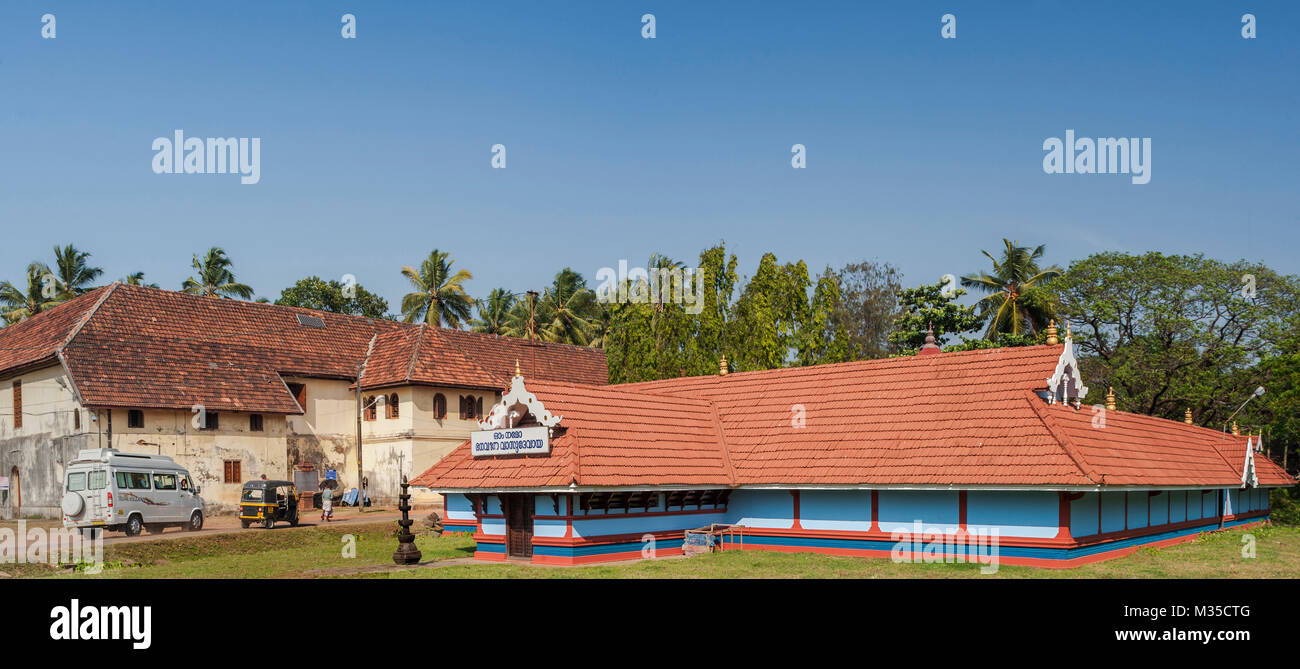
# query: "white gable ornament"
{"points": [[1249, 479], [504, 413], [1066, 383]]}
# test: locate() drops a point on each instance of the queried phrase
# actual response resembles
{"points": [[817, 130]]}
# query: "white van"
{"points": [[107, 489]]}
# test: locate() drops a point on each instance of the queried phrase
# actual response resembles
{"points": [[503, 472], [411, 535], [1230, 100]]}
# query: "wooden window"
{"points": [[392, 406], [439, 406], [467, 407], [478, 407], [18, 403], [210, 420], [255, 422], [76, 419], [232, 473], [299, 392], [135, 418], [371, 410]]}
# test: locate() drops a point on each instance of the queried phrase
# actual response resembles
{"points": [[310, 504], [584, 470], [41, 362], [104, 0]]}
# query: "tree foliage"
{"points": [[316, 293]]}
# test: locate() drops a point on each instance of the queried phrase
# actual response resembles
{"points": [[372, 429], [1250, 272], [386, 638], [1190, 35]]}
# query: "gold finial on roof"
{"points": [[1110, 399], [1051, 333], [517, 371], [1187, 416], [722, 366], [1235, 431]]}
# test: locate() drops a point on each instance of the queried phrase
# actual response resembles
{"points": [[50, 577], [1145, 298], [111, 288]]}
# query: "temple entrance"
{"points": [[519, 525]]}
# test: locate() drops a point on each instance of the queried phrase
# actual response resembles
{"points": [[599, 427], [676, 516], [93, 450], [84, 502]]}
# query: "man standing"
{"points": [[327, 505]]}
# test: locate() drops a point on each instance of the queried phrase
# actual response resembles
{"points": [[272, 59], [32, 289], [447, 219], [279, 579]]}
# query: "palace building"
{"points": [[846, 459], [233, 390]]}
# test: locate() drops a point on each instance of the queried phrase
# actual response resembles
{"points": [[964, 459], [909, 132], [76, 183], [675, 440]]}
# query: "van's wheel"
{"points": [[196, 522], [155, 528], [268, 523], [245, 523], [133, 526]]}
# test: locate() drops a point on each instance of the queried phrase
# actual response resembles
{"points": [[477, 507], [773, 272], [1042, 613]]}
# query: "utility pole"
{"points": [[361, 502]]}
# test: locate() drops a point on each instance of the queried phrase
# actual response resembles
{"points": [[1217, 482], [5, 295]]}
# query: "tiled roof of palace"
{"points": [[132, 346]]}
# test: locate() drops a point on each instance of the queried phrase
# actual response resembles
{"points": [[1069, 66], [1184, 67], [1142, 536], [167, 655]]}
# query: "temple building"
{"points": [[931, 452], [233, 390]]}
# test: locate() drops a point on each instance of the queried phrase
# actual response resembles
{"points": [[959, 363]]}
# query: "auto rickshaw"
{"points": [[266, 502]]}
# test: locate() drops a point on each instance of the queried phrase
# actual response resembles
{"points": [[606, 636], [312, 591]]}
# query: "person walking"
{"points": [[327, 504]]}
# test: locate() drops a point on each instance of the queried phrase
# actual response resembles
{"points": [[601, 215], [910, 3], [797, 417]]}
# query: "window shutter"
{"points": [[18, 404]]}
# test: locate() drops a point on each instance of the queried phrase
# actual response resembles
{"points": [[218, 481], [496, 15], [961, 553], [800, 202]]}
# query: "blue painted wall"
{"points": [[936, 509], [1177, 506], [1159, 509], [1112, 512], [835, 510], [1137, 509], [1083, 515], [1015, 514], [770, 509], [640, 523]]}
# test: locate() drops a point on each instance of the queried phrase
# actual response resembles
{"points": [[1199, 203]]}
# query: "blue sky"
{"points": [[920, 150]]}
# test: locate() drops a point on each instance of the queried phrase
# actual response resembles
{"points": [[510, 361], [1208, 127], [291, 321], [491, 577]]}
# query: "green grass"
{"points": [[318, 553]]}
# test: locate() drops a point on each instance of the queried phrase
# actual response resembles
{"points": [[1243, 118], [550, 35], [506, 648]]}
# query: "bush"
{"points": [[1284, 505]]}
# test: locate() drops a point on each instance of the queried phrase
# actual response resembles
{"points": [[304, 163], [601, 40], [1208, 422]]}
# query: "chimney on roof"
{"points": [[930, 347], [1051, 333], [1235, 431], [1110, 399], [1187, 416], [722, 365]]}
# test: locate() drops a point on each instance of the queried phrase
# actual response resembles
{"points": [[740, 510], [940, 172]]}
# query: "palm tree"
{"points": [[72, 272], [1012, 303], [492, 313], [215, 278], [439, 297], [137, 279], [566, 308], [40, 294]]}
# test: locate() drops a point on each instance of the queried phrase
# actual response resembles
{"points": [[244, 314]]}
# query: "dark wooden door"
{"points": [[519, 525]]}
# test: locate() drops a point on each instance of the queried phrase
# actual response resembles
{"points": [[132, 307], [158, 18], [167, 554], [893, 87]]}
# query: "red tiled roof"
{"points": [[963, 419], [610, 437], [132, 346]]}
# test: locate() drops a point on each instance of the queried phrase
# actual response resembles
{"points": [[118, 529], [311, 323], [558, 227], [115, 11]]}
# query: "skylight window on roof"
{"points": [[310, 321]]}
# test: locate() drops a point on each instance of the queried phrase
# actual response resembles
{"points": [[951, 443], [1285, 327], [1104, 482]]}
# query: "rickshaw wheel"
{"points": [[268, 522], [244, 524], [293, 522]]}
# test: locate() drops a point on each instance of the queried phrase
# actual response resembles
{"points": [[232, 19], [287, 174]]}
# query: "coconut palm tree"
{"points": [[214, 277], [565, 309], [137, 279], [73, 273], [493, 312], [439, 296], [1012, 303], [41, 293]]}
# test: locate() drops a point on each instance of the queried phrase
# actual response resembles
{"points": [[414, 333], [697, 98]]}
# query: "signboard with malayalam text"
{"points": [[510, 441]]}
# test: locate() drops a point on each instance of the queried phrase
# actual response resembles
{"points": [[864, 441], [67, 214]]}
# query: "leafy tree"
{"points": [[1012, 302], [1171, 332], [439, 296], [40, 293], [926, 306], [867, 306], [493, 312], [316, 293], [214, 277], [823, 337]]}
